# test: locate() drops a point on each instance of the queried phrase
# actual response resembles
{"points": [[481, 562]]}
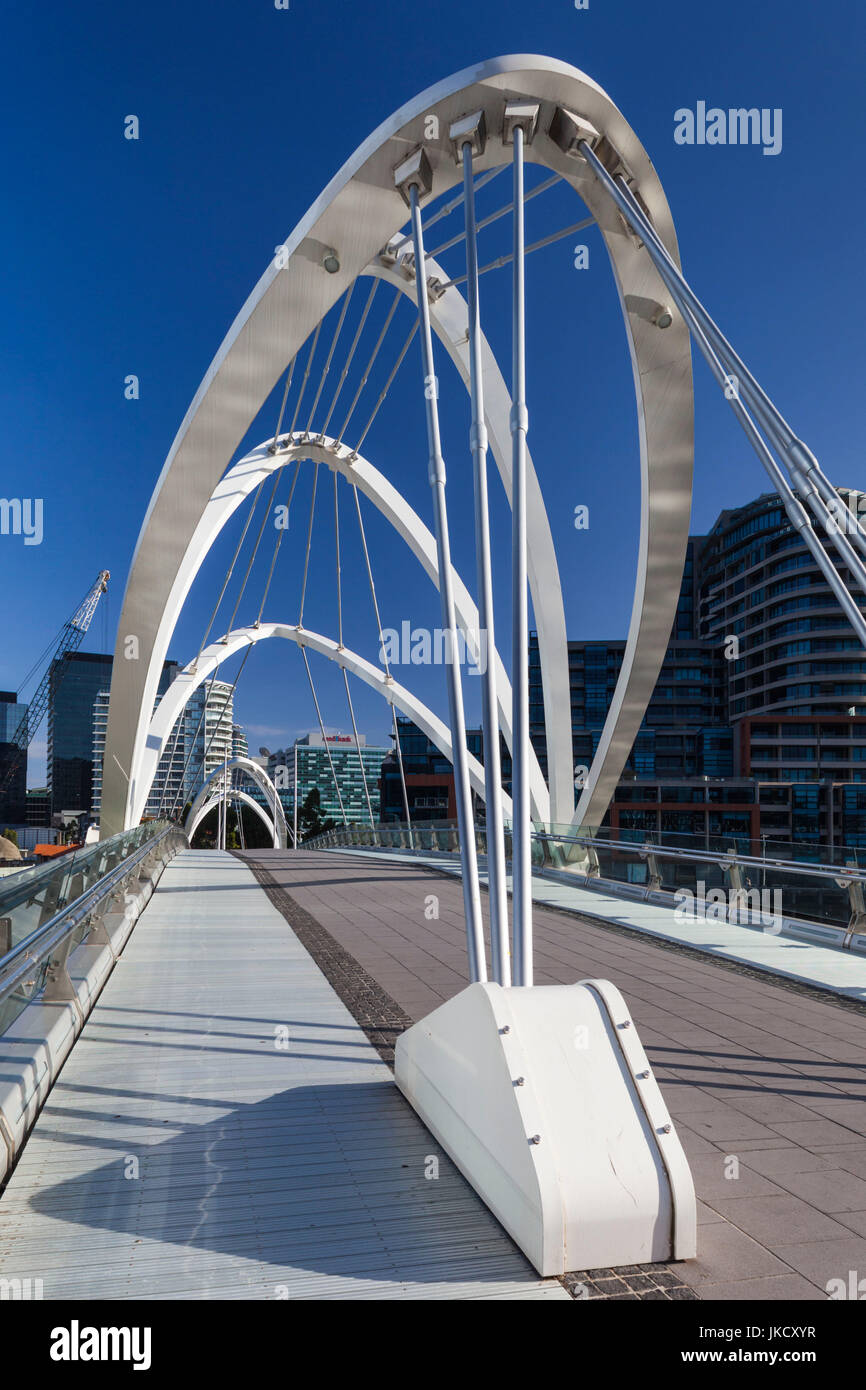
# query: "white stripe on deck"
{"points": [[263, 1172]]}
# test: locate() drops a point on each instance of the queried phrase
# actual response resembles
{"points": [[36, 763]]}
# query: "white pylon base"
{"points": [[544, 1099]]}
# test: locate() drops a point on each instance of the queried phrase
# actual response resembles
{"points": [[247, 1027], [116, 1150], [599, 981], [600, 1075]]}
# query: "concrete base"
{"points": [[545, 1101]]}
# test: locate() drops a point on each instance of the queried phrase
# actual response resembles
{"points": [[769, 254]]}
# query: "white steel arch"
{"points": [[243, 479], [188, 680], [256, 774], [357, 215], [191, 824]]}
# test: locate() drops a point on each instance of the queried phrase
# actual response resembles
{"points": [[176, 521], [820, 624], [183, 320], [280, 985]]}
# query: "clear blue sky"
{"points": [[133, 257]]}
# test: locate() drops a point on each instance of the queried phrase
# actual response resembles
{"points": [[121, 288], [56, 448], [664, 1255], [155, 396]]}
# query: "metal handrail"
{"points": [[41, 943], [720, 859]]}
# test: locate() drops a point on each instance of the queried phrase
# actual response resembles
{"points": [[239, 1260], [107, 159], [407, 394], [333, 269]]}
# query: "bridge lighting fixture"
{"points": [[569, 132], [471, 130], [523, 114], [414, 172], [331, 262]]}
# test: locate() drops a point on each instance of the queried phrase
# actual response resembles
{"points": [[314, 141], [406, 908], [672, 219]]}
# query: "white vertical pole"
{"points": [[295, 846], [225, 800], [499, 943], [522, 846], [465, 820]]}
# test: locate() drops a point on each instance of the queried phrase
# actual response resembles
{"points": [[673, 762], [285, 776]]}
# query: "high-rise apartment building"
{"points": [[757, 724], [76, 680], [203, 736], [13, 764]]}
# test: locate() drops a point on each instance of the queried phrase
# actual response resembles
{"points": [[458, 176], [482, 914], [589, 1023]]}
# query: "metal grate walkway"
{"points": [[190, 1149]]}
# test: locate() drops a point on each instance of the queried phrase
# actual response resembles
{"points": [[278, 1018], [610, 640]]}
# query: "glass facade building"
{"points": [[75, 682], [13, 801], [683, 733], [310, 758], [429, 776]]}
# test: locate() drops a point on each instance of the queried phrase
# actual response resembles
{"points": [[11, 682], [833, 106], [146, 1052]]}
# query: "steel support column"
{"points": [[468, 858]]}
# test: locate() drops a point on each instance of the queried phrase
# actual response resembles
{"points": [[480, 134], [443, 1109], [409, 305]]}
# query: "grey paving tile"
{"points": [[776, 1220], [709, 1173], [820, 1261], [770, 1109], [817, 1134], [781, 1287], [729, 1127], [775, 1163], [726, 1255], [830, 1190]]}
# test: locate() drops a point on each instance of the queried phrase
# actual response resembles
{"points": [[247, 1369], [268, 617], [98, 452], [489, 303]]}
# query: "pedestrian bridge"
{"points": [[225, 1123]]}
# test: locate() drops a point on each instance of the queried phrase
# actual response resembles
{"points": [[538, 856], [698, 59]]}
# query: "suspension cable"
{"points": [[499, 950], [229, 573], [225, 706], [455, 203], [309, 540], [495, 216], [192, 745], [255, 552], [535, 246], [363, 382], [385, 389], [358, 745], [170, 769], [327, 367], [280, 533], [720, 356], [801, 462], [324, 736], [283, 406], [339, 567], [402, 776], [370, 297], [383, 653], [306, 376]]}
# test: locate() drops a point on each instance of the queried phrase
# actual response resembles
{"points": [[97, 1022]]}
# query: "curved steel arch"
{"points": [[188, 680], [243, 479], [191, 826], [256, 774], [358, 213]]}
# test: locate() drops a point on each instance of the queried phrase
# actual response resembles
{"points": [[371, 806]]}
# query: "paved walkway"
{"points": [[764, 1080], [806, 962], [192, 1149]]}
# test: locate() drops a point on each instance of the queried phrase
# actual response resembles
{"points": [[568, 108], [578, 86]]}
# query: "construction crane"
{"points": [[71, 637]]}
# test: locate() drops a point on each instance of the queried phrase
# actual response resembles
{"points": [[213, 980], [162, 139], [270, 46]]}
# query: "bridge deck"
{"points": [[762, 1072], [184, 1153]]}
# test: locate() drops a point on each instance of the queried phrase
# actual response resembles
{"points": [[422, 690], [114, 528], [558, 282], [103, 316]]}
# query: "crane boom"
{"points": [[70, 640]]}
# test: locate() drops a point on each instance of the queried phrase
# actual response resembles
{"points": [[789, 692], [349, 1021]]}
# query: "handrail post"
{"points": [[857, 920]]}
